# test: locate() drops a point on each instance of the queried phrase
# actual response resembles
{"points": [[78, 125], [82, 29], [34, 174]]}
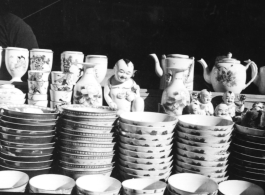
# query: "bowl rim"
{"points": [[22, 124], [146, 127], [52, 111], [10, 168], [26, 162], [25, 119], [21, 172], [46, 155], [52, 143], [46, 131], [31, 137]]}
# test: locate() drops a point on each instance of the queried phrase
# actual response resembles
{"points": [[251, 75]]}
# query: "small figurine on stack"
{"points": [[205, 98], [222, 110], [121, 92]]}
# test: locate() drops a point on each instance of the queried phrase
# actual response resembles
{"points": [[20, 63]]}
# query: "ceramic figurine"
{"points": [[195, 108], [121, 92], [228, 74], [258, 106], [205, 98], [229, 100], [222, 110]]}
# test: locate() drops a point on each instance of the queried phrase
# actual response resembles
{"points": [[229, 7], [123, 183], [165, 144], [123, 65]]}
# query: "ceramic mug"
{"points": [[38, 87], [37, 97], [17, 61], [57, 96], [41, 59], [61, 78], [38, 75], [101, 67]]}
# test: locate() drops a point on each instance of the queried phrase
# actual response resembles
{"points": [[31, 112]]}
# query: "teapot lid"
{"points": [[177, 56], [227, 59]]}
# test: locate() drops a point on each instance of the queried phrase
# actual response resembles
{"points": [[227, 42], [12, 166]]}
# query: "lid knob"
{"points": [[229, 55]]}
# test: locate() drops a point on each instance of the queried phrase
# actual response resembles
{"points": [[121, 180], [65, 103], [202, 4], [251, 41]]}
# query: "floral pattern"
{"points": [[39, 62], [226, 77], [20, 63]]}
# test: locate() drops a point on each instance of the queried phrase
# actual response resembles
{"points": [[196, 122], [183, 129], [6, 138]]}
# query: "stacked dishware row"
{"points": [[27, 137], [86, 140], [9, 94], [145, 145], [247, 157], [202, 144], [38, 77]]}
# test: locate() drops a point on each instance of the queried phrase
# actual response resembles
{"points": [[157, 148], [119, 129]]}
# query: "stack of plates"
{"points": [[27, 136], [201, 145], [145, 144], [86, 140], [248, 151]]}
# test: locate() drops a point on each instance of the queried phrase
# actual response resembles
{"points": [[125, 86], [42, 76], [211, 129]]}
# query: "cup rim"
{"points": [[41, 50], [98, 56], [75, 52], [16, 48]]}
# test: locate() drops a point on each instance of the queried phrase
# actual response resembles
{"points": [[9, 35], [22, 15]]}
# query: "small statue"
{"points": [[258, 106], [222, 110], [195, 107], [233, 108], [205, 98], [121, 92]]}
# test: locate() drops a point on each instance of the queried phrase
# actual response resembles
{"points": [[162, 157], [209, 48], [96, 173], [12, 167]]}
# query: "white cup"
{"points": [[38, 75], [41, 59], [61, 78], [43, 103], [58, 96], [38, 87], [37, 97]]}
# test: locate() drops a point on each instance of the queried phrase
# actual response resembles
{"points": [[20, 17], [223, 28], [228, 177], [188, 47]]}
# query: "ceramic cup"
{"points": [[37, 97], [38, 75], [57, 87], [58, 96], [61, 78], [41, 59], [17, 61], [56, 104], [43, 103], [101, 67], [38, 87]]}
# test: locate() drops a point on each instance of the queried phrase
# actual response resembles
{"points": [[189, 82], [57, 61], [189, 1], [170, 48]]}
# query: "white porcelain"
{"points": [[8, 92], [126, 176], [43, 103], [54, 104], [57, 87], [145, 155], [13, 181], [101, 67], [98, 185], [38, 75], [37, 97], [145, 161], [17, 101], [17, 62], [58, 96], [38, 87], [146, 149], [155, 173], [145, 143], [51, 184], [41, 59], [199, 144], [61, 78]]}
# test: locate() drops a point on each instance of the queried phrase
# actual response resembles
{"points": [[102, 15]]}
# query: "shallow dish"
{"points": [[86, 153], [149, 119], [75, 166], [26, 158], [145, 155], [203, 122], [199, 144], [250, 131], [87, 134], [26, 151], [27, 121], [248, 151], [146, 149], [51, 184], [127, 176], [26, 132], [22, 145], [144, 161], [83, 138], [144, 143], [143, 130]]}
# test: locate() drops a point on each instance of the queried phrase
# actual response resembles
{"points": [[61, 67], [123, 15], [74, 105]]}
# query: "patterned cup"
{"points": [[38, 75], [41, 59], [38, 87]]}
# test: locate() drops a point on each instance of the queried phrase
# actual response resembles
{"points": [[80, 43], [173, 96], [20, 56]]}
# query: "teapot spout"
{"points": [[158, 69], [206, 71]]}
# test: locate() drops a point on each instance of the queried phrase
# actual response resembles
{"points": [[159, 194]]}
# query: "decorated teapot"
{"points": [[260, 80], [228, 74]]}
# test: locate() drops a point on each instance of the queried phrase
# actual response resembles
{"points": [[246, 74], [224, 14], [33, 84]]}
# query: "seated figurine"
{"points": [[229, 100], [121, 92], [222, 110], [205, 98], [195, 108]]}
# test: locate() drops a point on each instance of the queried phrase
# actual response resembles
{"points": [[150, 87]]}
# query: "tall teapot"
{"points": [[228, 74]]}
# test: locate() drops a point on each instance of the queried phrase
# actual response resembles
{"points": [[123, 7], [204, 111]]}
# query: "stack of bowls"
{"points": [[86, 140], [189, 183], [97, 185], [248, 151], [145, 144], [13, 181], [202, 144], [27, 137], [51, 184], [142, 186]]}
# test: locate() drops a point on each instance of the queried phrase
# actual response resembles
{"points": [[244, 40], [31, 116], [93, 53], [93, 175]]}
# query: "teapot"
{"points": [[260, 80], [175, 61], [228, 74]]}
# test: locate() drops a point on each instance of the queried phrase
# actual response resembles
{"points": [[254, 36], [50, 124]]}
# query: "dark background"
{"points": [[135, 28]]}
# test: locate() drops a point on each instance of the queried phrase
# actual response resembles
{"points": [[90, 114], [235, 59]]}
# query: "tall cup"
{"points": [[41, 59]]}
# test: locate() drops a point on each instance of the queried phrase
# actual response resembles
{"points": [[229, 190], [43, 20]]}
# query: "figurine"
{"points": [[205, 98], [195, 108], [121, 92], [222, 110], [258, 106], [229, 100]]}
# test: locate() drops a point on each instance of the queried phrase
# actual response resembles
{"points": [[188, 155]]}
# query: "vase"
{"points": [[101, 66], [87, 90], [17, 62]]}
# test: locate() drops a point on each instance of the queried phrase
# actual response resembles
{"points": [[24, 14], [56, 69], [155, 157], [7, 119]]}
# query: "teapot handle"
{"points": [[254, 74]]}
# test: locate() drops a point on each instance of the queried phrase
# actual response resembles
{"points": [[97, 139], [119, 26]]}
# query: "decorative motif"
{"points": [[39, 62], [225, 76], [20, 63]]}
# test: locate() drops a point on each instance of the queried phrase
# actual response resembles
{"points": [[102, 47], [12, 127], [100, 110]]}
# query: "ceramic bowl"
{"points": [[204, 139], [13, 181], [92, 121], [43, 103], [58, 96], [201, 163], [68, 165], [248, 157], [27, 139], [246, 163], [149, 119], [144, 143], [144, 161], [30, 172], [26, 132], [237, 187], [146, 149], [145, 173], [83, 138], [26, 151], [247, 174], [22, 145], [249, 151], [260, 183], [143, 130], [143, 186], [251, 138], [247, 168], [87, 146], [250, 131], [25, 165], [145, 167], [87, 134], [248, 144], [27, 121], [57, 87], [204, 132], [26, 158], [51, 184], [86, 159], [22, 126], [37, 97], [98, 185], [199, 144], [75, 174], [202, 150], [145, 154], [188, 183], [38, 87], [203, 157], [87, 153], [89, 111], [203, 122]]}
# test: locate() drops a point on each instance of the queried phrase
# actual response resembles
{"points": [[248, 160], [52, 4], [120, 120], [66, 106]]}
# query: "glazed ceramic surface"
{"points": [[27, 139], [37, 97], [25, 165], [26, 132], [199, 144], [61, 96], [28, 121], [9, 93], [26, 158], [38, 75], [146, 149], [17, 62], [62, 78], [13, 181], [87, 134], [133, 154], [150, 161], [26, 151], [101, 66], [260, 80], [250, 131], [1, 50], [144, 143], [41, 59], [57, 87], [23, 145], [43, 103]]}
